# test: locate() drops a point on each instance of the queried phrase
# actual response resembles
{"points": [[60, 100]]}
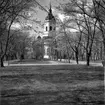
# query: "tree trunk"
{"points": [[103, 62], [88, 59], [101, 54], [69, 59], [104, 48], [56, 55], [77, 59], [1, 62], [60, 56], [76, 56]]}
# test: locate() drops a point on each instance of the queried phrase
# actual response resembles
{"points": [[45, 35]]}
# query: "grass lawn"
{"points": [[52, 85]]}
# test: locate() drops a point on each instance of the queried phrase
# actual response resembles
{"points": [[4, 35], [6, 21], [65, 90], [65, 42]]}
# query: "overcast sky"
{"points": [[46, 3], [41, 15]]}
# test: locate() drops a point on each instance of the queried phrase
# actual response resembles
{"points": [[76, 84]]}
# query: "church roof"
{"points": [[39, 37], [50, 15]]}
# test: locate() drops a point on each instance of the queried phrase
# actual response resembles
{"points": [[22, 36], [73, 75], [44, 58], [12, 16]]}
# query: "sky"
{"points": [[46, 3], [41, 14]]}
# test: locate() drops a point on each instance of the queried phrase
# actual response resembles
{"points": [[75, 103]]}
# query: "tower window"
{"points": [[54, 28], [46, 28], [50, 28]]}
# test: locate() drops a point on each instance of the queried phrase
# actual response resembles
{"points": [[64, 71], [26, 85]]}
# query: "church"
{"points": [[49, 34], [47, 46]]}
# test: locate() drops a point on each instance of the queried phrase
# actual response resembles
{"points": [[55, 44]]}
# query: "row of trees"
{"points": [[13, 42], [88, 19], [88, 42], [18, 46]]}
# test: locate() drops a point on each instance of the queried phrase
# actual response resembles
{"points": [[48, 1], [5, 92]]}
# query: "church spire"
{"points": [[50, 10], [50, 15]]}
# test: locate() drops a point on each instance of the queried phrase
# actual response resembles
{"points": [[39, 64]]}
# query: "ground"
{"points": [[51, 83]]}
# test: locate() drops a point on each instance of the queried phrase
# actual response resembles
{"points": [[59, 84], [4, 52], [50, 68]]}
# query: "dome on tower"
{"points": [[50, 15], [39, 37]]}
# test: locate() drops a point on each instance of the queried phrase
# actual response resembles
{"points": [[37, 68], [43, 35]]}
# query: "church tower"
{"points": [[50, 24], [49, 32]]}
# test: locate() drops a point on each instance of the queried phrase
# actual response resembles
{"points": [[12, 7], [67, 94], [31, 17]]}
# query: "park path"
{"points": [[49, 62]]}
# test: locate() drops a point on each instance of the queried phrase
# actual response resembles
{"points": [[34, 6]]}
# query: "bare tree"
{"points": [[82, 10], [10, 11], [99, 14]]}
